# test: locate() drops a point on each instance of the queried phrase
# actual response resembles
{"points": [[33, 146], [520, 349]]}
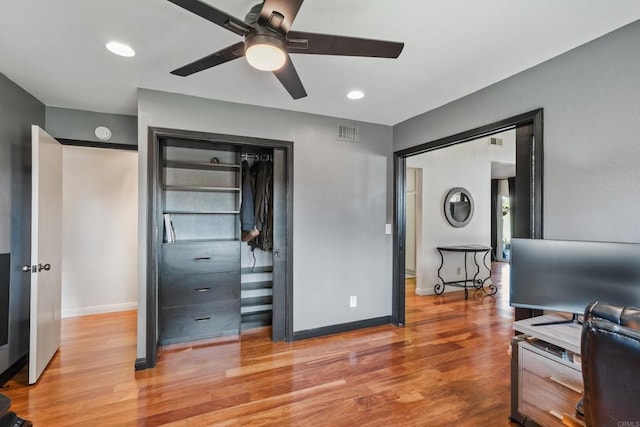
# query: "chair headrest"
{"points": [[627, 316]]}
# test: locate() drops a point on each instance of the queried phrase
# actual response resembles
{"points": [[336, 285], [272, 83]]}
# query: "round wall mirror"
{"points": [[458, 207]]}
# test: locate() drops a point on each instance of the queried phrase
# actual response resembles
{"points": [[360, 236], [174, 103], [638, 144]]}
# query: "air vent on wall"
{"points": [[348, 133], [495, 141]]}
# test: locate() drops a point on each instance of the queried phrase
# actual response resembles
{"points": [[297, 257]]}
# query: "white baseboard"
{"points": [[99, 309], [422, 291], [430, 291]]}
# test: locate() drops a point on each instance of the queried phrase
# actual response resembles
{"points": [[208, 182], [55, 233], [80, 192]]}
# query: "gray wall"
{"points": [[79, 124], [18, 111], [591, 101], [342, 200]]}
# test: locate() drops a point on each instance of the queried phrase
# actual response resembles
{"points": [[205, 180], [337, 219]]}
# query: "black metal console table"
{"points": [[475, 281]]}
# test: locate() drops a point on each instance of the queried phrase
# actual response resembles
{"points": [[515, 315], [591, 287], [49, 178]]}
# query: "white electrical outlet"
{"points": [[459, 270], [353, 301]]}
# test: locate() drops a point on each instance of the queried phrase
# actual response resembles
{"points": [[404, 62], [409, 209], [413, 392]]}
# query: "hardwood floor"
{"points": [[448, 366]]}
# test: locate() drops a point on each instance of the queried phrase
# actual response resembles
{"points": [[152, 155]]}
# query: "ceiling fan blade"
{"points": [[287, 9], [214, 15], [289, 78], [220, 57], [327, 44]]}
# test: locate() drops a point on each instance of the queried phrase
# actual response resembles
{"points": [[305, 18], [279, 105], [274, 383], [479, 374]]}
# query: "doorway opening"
{"points": [[414, 222], [503, 250], [434, 220], [525, 207]]}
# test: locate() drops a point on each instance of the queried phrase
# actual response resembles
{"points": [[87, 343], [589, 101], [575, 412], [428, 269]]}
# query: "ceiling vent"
{"points": [[348, 133], [495, 141]]}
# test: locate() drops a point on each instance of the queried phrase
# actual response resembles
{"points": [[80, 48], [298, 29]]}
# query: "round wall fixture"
{"points": [[103, 133], [458, 206]]}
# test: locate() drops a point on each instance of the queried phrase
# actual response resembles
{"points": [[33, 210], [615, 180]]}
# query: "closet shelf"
{"points": [[201, 212], [253, 301], [249, 286], [197, 188], [255, 319], [257, 269], [181, 164], [190, 241]]}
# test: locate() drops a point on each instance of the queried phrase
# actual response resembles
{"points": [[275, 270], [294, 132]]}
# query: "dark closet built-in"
{"points": [[215, 264]]}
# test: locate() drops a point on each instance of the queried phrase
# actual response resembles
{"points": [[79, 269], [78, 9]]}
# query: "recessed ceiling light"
{"points": [[355, 94], [120, 49]]}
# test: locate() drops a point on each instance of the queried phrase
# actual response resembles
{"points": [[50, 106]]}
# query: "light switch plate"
{"points": [[387, 228]]}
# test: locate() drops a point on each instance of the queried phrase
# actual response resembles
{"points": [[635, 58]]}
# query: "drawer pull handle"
{"points": [[202, 319], [566, 384], [202, 258], [202, 289], [556, 414]]}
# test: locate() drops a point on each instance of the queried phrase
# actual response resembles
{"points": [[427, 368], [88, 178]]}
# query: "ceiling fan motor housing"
{"points": [[253, 15], [263, 35]]}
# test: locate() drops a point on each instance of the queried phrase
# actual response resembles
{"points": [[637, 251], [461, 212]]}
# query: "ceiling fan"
{"points": [[268, 41]]}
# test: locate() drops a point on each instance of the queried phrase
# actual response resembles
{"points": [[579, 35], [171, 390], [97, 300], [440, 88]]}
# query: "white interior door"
{"points": [[46, 251]]}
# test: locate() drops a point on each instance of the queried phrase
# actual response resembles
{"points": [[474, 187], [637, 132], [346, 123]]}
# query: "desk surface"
{"points": [[566, 335], [464, 248]]}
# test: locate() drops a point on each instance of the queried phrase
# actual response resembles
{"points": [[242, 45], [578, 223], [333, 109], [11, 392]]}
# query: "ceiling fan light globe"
{"points": [[265, 57]]}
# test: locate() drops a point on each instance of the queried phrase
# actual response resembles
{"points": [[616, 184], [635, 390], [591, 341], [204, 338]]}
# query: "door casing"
{"points": [[527, 208]]}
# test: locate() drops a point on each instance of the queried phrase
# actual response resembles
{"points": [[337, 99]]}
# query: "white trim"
{"points": [[99, 309], [430, 290], [422, 292]]}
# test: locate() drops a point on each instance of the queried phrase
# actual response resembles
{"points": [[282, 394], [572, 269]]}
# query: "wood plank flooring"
{"points": [[448, 366]]}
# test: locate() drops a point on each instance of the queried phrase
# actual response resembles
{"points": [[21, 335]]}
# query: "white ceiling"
{"points": [[55, 50], [502, 170]]}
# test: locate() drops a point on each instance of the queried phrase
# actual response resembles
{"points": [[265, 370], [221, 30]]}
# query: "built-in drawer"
{"points": [[549, 386], [196, 258], [194, 322], [191, 289]]}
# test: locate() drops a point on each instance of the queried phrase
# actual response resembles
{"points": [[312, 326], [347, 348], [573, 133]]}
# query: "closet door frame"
{"points": [[283, 294]]}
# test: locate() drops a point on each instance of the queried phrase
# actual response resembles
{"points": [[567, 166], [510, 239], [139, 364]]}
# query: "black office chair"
{"points": [[611, 365], [8, 418]]}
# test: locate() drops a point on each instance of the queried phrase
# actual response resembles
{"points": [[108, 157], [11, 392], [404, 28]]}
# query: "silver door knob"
{"points": [[26, 268]]}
